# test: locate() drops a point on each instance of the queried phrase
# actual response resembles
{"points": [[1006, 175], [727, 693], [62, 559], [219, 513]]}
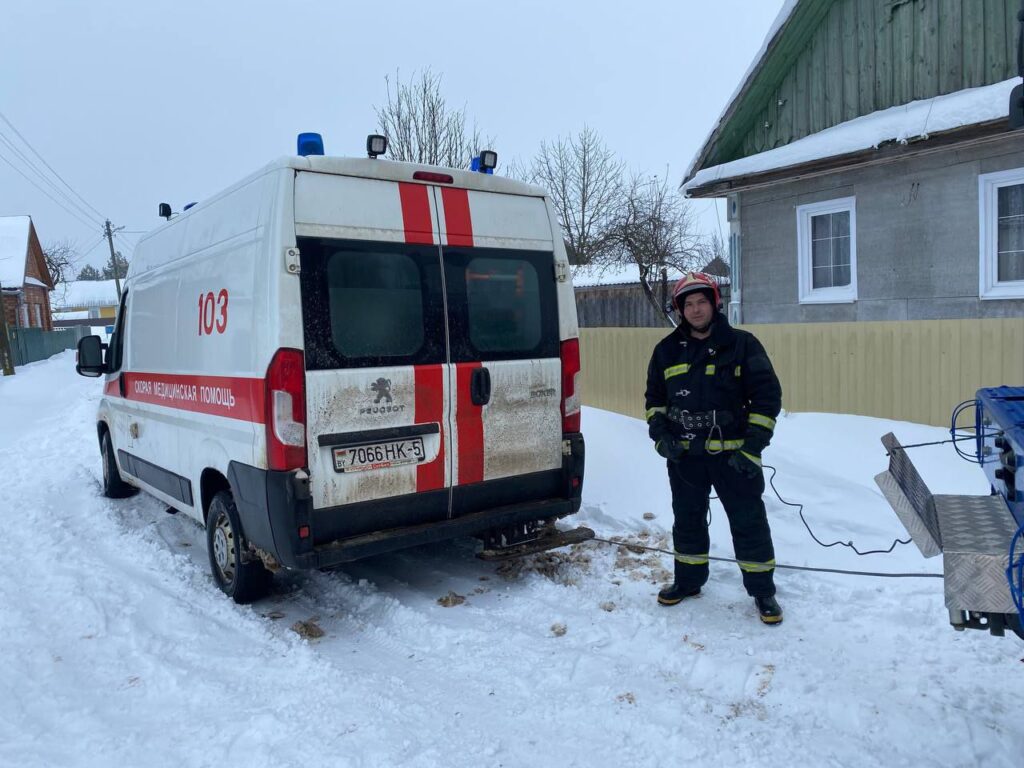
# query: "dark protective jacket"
{"points": [[716, 394]]}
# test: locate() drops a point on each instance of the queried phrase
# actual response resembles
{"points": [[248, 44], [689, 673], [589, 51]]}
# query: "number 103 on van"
{"points": [[213, 312]]}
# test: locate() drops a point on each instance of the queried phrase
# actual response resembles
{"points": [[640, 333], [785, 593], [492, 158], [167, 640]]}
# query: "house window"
{"points": [[37, 310], [827, 245], [23, 322], [1001, 198]]}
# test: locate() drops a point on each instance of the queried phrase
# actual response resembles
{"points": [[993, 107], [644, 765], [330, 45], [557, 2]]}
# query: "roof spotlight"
{"points": [[376, 145], [485, 162], [488, 160]]}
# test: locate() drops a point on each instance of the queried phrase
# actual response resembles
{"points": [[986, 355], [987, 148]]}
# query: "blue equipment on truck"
{"points": [[981, 538]]}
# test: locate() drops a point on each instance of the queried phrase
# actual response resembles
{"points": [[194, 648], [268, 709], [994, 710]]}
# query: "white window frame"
{"points": [[989, 286], [807, 293]]}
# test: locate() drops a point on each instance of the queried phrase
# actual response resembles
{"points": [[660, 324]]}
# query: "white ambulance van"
{"points": [[338, 357]]}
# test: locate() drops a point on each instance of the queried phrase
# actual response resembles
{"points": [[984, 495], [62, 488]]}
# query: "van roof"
{"points": [[394, 170], [361, 167]]}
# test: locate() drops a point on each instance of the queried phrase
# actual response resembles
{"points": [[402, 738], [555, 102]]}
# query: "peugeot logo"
{"points": [[382, 388]]}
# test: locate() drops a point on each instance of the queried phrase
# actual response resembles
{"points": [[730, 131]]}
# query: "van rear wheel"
{"points": [[113, 486], [244, 581]]}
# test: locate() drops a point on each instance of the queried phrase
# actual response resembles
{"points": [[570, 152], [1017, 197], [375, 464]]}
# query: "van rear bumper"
{"points": [[274, 506], [378, 542]]}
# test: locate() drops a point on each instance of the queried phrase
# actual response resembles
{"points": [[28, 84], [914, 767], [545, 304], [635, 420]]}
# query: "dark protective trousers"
{"points": [[692, 480]]}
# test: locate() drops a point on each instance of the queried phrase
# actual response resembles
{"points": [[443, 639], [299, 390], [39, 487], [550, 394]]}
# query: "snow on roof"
{"points": [[916, 120], [13, 250], [787, 10], [84, 293]]}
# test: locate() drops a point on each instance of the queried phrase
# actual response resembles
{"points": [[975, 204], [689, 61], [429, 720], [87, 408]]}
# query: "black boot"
{"points": [[770, 610], [673, 594]]}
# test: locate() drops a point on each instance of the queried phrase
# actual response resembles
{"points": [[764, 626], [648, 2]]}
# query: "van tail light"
{"points": [[571, 399], [285, 403]]}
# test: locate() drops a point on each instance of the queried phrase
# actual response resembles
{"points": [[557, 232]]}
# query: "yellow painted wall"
{"points": [[910, 370]]}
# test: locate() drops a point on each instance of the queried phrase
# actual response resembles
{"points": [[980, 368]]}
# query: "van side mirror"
{"points": [[90, 357], [165, 211]]}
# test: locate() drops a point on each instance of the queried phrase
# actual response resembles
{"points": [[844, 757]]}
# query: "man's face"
{"points": [[698, 310]]}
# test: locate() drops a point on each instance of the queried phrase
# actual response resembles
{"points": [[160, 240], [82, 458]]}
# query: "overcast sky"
{"points": [[136, 102]]}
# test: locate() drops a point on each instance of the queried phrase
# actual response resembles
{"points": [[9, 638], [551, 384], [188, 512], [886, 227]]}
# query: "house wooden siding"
{"points": [[836, 60], [917, 245]]}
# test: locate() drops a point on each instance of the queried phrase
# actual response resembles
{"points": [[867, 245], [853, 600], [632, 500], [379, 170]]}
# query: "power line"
{"points": [[42, 176], [125, 243], [90, 225], [27, 144], [92, 246]]}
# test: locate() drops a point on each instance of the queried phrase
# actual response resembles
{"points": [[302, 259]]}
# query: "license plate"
{"points": [[394, 453]]}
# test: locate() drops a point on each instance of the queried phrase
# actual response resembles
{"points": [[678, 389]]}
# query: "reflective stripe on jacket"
{"points": [[728, 372]]}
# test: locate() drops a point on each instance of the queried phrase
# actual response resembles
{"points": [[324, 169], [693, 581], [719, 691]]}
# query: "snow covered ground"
{"points": [[117, 649]]}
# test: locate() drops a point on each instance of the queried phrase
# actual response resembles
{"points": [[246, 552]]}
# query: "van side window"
{"points": [[115, 353], [502, 304], [376, 304], [371, 304]]}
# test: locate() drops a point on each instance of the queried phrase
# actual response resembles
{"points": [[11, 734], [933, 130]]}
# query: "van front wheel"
{"points": [[113, 486], [243, 581]]}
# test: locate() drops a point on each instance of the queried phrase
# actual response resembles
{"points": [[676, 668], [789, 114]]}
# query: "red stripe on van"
{"points": [[470, 426], [111, 388], [416, 213], [429, 381], [458, 223], [233, 397]]}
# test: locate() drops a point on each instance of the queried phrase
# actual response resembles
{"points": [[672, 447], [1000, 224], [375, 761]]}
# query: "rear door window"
{"points": [[502, 305], [371, 304]]}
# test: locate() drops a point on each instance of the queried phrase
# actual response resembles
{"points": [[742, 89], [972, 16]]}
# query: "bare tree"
{"points": [[655, 229], [584, 180], [60, 260], [422, 128]]}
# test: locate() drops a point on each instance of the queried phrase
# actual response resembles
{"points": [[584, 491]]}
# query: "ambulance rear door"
{"points": [[375, 351], [504, 348]]}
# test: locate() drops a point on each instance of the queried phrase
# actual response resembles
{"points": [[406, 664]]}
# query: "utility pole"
{"points": [[109, 232], [6, 358]]}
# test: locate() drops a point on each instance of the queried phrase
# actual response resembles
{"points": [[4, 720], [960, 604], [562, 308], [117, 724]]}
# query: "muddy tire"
{"points": [[113, 486], [244, 581]]}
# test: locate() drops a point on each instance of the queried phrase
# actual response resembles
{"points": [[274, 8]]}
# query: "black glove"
{"points": [[658, 427], [670, 449], [756, 440], [747, 464]]}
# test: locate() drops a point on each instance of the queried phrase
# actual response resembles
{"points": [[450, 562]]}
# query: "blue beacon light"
{"points": [[310, 144]]}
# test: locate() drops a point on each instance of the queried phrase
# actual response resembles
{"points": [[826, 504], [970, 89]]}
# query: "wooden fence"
{"points": [[29, 345], [909, 371]]}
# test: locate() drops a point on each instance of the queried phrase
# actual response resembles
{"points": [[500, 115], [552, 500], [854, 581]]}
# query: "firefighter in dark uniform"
{"points": [[712, 401]]}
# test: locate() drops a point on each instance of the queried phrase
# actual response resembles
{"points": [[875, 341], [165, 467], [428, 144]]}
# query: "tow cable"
{"points": [[631, 546], [800, 508]]}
